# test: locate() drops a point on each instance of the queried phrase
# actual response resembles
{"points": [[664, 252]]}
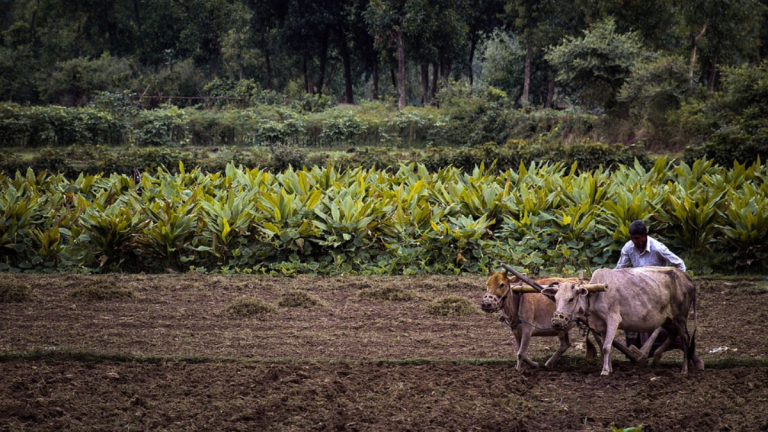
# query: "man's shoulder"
{"points": [[628, 246], [655, 244]]}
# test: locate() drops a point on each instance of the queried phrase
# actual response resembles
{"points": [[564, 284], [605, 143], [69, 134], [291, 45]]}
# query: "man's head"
{"points": [[638, 233]]}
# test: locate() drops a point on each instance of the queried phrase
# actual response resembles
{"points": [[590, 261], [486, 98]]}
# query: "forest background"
{"points": [[668, 94]]}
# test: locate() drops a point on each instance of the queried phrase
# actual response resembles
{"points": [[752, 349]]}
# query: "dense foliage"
{"points": [[131, 71], [373, 221]]}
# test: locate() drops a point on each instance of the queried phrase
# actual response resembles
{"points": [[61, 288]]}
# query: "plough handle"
{"points": [[523, 278]]}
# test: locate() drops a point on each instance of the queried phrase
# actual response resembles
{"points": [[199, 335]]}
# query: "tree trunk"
{"points": [[400, 70], [375, 95], [425, 84], [527, 80], [472, 47], [268, 64], [393, 76], [323, 64], [331, 75], [435, 78], [347, 59], [306, 76], [446, 70], [136, 14], [713, 71], [550, 94], [694, 44]]}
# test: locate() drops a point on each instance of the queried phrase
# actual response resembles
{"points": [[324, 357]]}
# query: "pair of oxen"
{"points": [[642, 299]]}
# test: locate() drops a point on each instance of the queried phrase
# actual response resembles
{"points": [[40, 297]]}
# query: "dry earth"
{"points": [[171, 357]]}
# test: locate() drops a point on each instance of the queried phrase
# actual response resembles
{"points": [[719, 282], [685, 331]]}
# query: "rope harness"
{"points": [[505, 319]]}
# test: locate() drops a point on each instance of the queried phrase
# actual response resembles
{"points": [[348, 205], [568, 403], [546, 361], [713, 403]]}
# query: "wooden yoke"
{"points": [[588, 287]]}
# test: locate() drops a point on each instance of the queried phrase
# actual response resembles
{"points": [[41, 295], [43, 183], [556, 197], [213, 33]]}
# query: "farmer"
{"points": [[644, 251]]}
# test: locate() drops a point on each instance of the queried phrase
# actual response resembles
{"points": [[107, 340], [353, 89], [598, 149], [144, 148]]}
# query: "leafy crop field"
{"points": [[200, 352], [380, 221]]}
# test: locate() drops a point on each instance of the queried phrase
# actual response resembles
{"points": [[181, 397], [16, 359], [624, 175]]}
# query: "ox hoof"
{"points": [[698, 363], [604, 373]]}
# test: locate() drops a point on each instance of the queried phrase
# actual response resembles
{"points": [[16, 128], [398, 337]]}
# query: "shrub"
{"points": [[286, 156], [74, 81], [732, 125]]}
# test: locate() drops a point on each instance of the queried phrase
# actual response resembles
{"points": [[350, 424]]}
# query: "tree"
{"points": [[654, 88], [596, 65], [729, 30], [386, 23]]}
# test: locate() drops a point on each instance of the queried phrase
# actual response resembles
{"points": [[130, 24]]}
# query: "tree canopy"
{"points": [[56, 51]]}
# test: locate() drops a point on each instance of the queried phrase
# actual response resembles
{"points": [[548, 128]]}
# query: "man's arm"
{"points": [[671, 257], [624, 260]]}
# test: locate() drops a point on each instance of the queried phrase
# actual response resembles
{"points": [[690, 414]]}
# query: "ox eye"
{"points": [[501, 285], [570, 301]]}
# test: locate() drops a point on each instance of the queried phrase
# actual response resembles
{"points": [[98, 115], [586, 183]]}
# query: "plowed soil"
{"points": [[166, 354]]}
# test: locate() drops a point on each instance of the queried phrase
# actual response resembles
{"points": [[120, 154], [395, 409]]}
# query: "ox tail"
{"points": [[692, 340]]}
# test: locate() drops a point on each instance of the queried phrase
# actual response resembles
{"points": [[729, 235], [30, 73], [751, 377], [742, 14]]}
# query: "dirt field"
{"points": [[166, 354]]}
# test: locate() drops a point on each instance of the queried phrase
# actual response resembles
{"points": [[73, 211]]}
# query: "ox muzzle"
{"points": [[491, 303], [561, 320]]}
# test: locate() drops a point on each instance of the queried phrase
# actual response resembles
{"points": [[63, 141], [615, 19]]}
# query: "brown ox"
{"points": [[526, 314], [637, 299]]}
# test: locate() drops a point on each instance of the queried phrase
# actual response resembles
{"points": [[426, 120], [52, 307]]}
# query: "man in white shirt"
{"points": [[644, 251]]}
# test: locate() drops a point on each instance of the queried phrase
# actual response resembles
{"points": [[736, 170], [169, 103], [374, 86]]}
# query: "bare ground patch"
{"points": [[358, 363]]}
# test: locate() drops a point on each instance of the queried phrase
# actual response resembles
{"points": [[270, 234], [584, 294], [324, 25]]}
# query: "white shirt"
{"points": [[655, 254]]}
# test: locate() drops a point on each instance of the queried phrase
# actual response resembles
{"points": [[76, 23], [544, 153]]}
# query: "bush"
{"points": [[55, 125], [286, 156], [732, 125], [74, 82]]}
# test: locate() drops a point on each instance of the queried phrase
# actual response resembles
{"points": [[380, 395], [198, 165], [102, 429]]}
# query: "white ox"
{"points": [[526, 314], [637, 299]]}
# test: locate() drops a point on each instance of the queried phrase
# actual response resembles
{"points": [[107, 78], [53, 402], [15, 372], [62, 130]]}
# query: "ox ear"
{"points": [[551, 289], [580, 290]]}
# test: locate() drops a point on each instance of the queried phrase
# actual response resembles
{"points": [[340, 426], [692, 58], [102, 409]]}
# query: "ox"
{"points": [[526, 314], [637, 299]]}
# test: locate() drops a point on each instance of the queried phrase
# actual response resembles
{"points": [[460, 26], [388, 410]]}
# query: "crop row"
{"points": [[401, 221]]}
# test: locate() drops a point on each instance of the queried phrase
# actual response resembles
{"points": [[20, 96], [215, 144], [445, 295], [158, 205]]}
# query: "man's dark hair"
{"points": [[637, 227]]}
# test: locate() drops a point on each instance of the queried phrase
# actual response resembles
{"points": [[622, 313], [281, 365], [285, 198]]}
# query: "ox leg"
{"points": [[682, 330], [610, 333], [525, 339], [565, 343]]}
